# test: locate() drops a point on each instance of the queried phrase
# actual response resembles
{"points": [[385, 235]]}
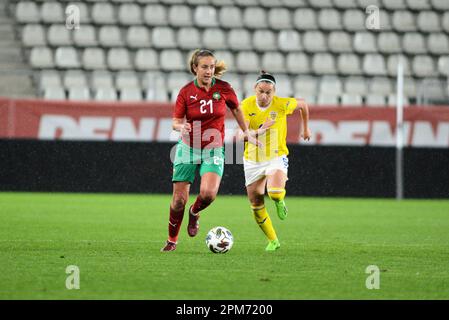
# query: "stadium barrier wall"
{"points": [[122, 147]]}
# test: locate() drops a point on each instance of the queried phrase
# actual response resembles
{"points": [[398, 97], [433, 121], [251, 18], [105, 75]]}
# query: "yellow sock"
{"points": [[263, 220], [276, 194]]}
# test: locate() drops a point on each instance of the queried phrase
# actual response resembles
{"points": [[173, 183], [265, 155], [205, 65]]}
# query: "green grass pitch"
{"points": [[327, 244]]}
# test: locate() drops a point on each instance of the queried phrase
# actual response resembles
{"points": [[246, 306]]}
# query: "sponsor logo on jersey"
{"points": [[194, 97], [273, 115], [216, 95]]}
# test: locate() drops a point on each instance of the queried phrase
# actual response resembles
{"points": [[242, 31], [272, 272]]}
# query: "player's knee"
{"points": [[207, 196], [179, 202], [257, 201]]}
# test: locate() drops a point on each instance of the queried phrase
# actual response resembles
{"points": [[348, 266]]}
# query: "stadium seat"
{"points": [[119, 59], [327, 99], [246, 3], [49, 78], [351, 100], [428, 21], [410, 87], [440, 4], [155, 15], [235, 80], [380, 85], [438, 43], [163, 37], [74, 78], [305, 19], [294, 3], [255, 18], [205, 16], [394, 4], [172, 60], [385, 21], [349, 63], [365, 3], [177, 80], [129, 14], [365, 42], [249, 81], [227, 57], [54, 93], [106, 94], [314, 41], [443, 65], [418, 4], [445, 22], [219, 3], [94, 58], [392, 65], [423, 66], [391, 100], [413, 43], [345, 4], [85, 37], [297, 62], [355, 84], [138, 37], [284, 87], [289, 40], [230, 17], [214, 38], [339, 42], [264, 40], [84, 12], [354, 20], [374, 65], [180, 16], [79, 93], [110, 36], [403, 21], [273, 62], [329, 19], [103, 13], [146, 59], [247, 61], [33, 35], [131, 94], [269, 3], [321, 3], [188, 38], [101, 79], [67, 57], [331, 85], [27, 12], [52, 12], [375, 100], [323, 63], [127, 79], [59, 35], [305, 85], [279, 19], [239, 39], [388, 42], [433, 90]]}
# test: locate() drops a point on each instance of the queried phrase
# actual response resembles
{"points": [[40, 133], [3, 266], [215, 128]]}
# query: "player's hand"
{"points": [[307, 134], [186, 128], [253, 140], [266, 125]]}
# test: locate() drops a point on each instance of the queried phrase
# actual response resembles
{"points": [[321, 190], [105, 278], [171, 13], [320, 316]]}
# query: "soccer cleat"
{"points": [[169, 246], [273, 245], [194, 225], [281, 208]]}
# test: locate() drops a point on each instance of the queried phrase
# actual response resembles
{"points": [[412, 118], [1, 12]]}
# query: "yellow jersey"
{"points": [[275, 138]]}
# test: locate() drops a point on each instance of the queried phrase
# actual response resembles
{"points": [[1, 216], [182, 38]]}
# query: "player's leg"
{"points": [[276, 191], [210, 183], [256, 192]]}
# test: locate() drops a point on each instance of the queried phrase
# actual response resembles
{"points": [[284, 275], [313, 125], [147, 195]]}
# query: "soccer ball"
{"points": [[219, 240]]}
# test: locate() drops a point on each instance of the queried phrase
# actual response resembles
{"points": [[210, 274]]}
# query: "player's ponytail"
{"points": [[220, 66]]}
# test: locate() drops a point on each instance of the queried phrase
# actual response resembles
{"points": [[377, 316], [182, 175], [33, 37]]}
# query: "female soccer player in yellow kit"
{"points": [[266, 117]]}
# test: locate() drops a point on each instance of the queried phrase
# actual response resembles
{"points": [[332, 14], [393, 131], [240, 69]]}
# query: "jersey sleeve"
{"points": [[231, 98], [180, 106], [290, 105]]}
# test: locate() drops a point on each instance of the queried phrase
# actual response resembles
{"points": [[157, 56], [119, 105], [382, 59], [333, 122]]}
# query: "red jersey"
{"points": [[205, 111]]}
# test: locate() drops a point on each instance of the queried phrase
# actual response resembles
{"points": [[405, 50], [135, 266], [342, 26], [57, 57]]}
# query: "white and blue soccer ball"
{"points": [[219, 240]]}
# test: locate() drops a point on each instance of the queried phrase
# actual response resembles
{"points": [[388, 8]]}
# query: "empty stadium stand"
{"points": [[137, 50]]}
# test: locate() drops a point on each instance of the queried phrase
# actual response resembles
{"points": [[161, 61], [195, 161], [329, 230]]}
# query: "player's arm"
{"points": [[247, 136], [179, 125], [304, 112]]}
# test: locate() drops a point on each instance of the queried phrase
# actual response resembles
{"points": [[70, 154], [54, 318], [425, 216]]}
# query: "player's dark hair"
{"points": [[220, 66], [266, 77]]}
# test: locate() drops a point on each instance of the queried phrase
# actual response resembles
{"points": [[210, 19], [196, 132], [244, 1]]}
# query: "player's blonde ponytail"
{"points": [[220, 66]]}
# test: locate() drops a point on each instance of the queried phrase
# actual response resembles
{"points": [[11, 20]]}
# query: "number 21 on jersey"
{"points": [[204, 104]]}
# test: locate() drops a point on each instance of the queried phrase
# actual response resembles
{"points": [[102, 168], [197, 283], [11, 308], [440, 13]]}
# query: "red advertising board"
{"points": [[51, 120]]}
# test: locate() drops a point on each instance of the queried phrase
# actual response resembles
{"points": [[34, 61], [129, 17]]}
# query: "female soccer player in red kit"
{"points": [[202, 103]]}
